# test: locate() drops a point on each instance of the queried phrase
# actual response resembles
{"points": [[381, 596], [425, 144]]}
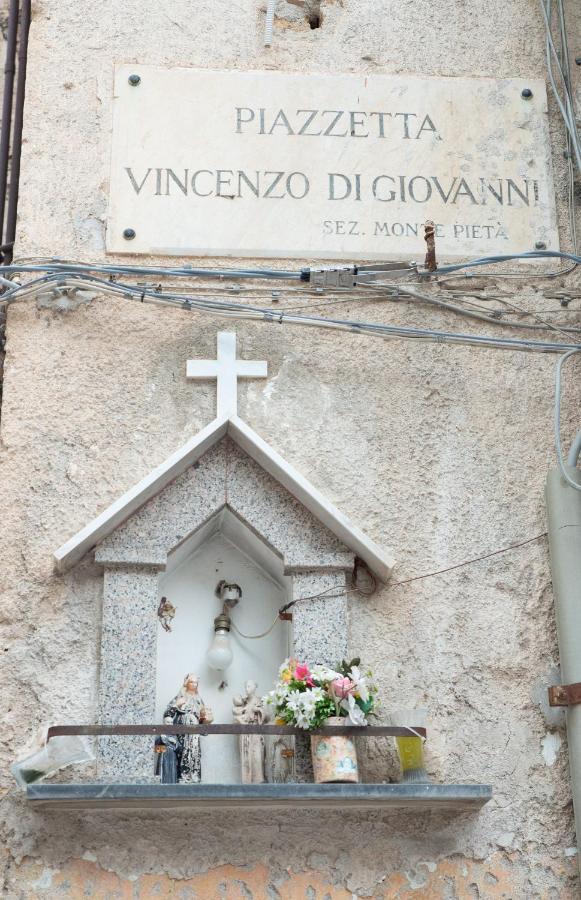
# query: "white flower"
{"points": [[315, 694], [355, 715], [303, 705], [360, 683], [324, 673]]}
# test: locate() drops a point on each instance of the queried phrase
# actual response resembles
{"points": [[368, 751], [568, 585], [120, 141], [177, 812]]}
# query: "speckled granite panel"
{"points": [[225, 474], [173, 514], [128, 670], [319, 636], [320, 626], [281, 519]]}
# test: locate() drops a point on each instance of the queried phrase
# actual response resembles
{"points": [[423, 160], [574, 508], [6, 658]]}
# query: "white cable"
{"points": [[269, 23], [254, 637], [566, 107], [228, 309], [560, 458]]}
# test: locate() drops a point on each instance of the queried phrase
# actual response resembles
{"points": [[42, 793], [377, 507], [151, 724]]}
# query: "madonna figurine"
{"points": [[187, 708]]}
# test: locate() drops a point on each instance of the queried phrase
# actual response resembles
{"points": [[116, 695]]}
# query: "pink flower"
{"points": [[302, 672], [341, 688]]}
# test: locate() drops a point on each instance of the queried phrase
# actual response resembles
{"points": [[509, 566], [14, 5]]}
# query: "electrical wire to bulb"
{"points": [[326, 594]]}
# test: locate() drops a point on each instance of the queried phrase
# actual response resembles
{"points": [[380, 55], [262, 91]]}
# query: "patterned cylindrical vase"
{"points": [[334, 756]]}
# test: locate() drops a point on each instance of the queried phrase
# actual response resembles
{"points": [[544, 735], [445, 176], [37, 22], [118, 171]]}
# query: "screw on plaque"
{"points": [[540, 245], [526, 93], [134, 80], [129, 234], [578, 60]]}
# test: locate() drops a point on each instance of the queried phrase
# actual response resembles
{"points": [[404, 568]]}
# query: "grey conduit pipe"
{"points": [[7, 103], [564, 524], [575, 451], [12, 208]]}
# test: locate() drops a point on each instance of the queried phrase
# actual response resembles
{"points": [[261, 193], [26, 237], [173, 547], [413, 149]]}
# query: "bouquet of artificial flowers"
{"points": [[306, 697]]}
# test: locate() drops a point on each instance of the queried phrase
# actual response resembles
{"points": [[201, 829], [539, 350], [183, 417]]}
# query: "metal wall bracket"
{"points": [[565, 694]]}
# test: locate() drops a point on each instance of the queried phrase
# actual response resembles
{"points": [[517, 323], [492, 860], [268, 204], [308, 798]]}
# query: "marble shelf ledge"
{"points": [[209, 796]]}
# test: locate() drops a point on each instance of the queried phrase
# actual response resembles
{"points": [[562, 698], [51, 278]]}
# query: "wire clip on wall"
{"points": [[334, 277]]}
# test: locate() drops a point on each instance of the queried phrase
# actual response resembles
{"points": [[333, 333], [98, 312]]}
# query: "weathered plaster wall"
{"points": [[438, 452], [3, 34]]}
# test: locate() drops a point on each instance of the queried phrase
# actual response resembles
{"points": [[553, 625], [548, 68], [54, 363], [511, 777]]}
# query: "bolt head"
{"points": [[129, 234], [540, 245], [526, 93], [578, 60], [134, 80]]}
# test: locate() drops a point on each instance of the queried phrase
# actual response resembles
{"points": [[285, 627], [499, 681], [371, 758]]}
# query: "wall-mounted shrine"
{"points": [[198, 560]]}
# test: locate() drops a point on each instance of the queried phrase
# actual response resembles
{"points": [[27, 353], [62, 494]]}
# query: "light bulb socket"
{"points": [[222, 622], [229, 594]]}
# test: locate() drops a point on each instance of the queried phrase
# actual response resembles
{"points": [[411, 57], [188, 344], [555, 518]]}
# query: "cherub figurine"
{"points": [[165, 613]]}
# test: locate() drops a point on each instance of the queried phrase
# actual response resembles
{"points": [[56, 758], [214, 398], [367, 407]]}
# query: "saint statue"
{"points": [[166, 760], [249, 710], [187, 708]]}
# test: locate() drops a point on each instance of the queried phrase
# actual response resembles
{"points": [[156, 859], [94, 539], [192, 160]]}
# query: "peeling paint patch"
{"points": [[45, 881], [498, 877], [79, 878], [551, 744]]}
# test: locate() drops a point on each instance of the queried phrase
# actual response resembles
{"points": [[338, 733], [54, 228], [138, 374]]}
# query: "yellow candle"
{"points": [[411, 752]]}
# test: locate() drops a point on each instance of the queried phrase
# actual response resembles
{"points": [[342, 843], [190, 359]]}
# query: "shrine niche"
{"points": [[225, 509]]}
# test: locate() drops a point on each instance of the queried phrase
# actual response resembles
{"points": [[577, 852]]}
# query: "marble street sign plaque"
{"points": [[271, 164]]}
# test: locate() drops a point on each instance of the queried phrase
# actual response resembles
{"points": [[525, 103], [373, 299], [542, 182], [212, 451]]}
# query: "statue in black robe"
{"points": [[167, 756], [187, 708]]}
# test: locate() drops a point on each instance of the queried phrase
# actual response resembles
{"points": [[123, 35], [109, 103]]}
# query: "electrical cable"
{"points": [[113, 271], [486, 316], [566, 105], [74, 267], [323, 594], [468, 562], [502, 258], [254, 637], [392, 584], [229, 309], [558, 379]]}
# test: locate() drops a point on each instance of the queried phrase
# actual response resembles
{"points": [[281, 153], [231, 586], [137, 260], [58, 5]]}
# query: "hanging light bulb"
{"points": [[220, 654]]}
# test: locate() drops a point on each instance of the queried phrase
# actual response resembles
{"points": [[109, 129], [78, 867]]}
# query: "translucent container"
{"points": [[52, 756], [411, 749]]}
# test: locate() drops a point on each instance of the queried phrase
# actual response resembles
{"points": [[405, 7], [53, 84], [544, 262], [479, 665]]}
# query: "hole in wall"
{"points": [[311, 10], [313, 13]]}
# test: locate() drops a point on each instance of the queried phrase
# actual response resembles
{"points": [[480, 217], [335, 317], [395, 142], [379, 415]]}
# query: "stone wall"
{"points": [[438, 452]]}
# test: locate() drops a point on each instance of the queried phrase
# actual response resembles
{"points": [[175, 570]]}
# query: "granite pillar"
{"points": [[128, 669], [319, 636]]}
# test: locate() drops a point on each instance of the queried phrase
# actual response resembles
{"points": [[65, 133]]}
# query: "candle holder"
{"points": [[410, 750]]}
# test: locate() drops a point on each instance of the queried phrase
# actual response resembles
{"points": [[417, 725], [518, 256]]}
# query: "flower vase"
{"points": [[334, 756]]}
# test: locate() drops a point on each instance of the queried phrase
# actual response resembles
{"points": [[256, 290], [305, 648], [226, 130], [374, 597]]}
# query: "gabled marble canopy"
{"points": [[226, 465]]}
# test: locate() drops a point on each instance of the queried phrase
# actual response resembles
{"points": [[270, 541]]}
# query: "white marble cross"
{"points": [[226, 370]]}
